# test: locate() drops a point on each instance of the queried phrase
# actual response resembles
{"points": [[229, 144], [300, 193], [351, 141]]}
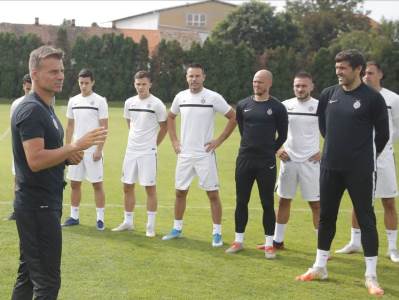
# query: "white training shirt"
{"points": [[86, 113], [303, 139], [197, 119], [145, 116], [14, 105], [392, 102]]}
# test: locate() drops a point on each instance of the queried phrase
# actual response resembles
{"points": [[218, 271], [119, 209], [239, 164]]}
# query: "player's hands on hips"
{"points": [[315, 157], [283, 155], [176, 146], [212, 145], [94, 137], [97, 155], [75, 158]]}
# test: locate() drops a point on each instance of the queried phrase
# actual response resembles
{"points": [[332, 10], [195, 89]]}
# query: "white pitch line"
{"points": [[5, 134], [188, 207]]}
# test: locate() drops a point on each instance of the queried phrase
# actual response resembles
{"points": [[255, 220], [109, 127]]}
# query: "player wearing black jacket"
{"points": [[259, 118], [349, 113]]}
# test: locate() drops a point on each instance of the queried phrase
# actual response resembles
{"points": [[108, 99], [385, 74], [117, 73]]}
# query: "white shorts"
{"points": [[204, 167], [140, 168], [306, 174], [92, 171], [386, 186]]}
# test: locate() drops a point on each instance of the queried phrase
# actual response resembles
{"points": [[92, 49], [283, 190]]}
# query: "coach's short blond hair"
{"points": [[43, 52]]}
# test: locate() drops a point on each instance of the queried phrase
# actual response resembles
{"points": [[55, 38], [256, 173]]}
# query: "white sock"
{"points": [[75, 212], [392, 236], [100, 213], [128, 217], [321, 258], [356, 236], [268, 241], [217, 228], [279, 231], [178, 224], [151, 218], [371, 266], [239, 237]]}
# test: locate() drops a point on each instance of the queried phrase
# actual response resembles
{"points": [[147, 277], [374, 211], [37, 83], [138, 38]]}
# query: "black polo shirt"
{"points": [[258, 122], [36, 190], [347, 120]]}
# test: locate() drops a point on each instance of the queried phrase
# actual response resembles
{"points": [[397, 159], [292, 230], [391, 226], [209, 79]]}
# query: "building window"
{"points": [[196, 20]]}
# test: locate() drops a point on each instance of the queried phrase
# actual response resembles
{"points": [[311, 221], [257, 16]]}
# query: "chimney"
{"points": [[73, 23], [36, 21]]}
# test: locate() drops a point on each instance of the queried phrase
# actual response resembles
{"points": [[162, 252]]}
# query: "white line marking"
{"points": [[5, 134], [189, 207]]}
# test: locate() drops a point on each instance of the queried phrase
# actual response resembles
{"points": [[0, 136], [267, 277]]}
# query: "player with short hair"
{"points": [[386, 186], [196, 148], [353, 119], [146, 119], [299, 156], [85, 112]]}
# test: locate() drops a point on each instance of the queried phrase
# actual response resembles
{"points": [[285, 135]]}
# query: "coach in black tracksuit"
{"points": [[259, 118], [39, 156], [348, 115]]}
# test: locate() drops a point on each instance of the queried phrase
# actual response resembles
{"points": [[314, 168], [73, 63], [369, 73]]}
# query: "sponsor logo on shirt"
{"points": [[247, 109], [333, 100], [290, 108], [269, 112]]}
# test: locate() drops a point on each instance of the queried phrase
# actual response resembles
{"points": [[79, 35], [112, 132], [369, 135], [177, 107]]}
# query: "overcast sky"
{"points": [[87, 12]]}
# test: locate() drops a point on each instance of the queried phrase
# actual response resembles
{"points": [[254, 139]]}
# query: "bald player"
{"points": [[260, 118]]}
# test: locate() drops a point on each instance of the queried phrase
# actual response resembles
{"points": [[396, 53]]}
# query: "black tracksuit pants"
{"points": [[264, 172], [360, 186], [40, 254]]}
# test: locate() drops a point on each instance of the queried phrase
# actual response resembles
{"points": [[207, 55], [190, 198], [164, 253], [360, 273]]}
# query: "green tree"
{"points": [[63, 43], [167, 68], [229, 69], [14, 58], [321, 21], [256, 24]]}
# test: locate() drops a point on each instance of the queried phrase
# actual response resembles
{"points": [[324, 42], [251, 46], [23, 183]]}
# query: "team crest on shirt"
{"points": [[311, 108], [203, 100], [269, 111], [148, 105], [92, 102], [357, 104]]}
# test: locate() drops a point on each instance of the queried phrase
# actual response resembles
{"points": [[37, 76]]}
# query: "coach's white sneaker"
{"points": [[124, 227], [150, 231], [314, 273], [349, 249], [393, 254]]}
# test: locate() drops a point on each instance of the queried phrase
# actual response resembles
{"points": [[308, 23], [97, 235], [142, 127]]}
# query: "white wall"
{"points": [[148, 21]]}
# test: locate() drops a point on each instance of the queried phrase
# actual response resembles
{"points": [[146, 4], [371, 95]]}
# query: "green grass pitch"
{"points": [[127, 265]]}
